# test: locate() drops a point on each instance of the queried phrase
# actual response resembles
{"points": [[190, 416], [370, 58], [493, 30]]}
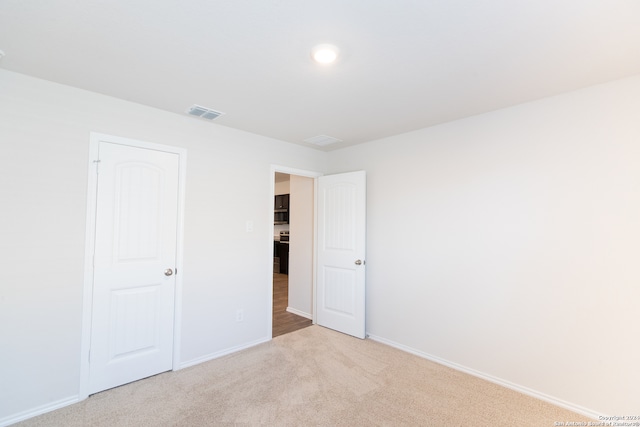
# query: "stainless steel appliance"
{"points": [[281, 253]]}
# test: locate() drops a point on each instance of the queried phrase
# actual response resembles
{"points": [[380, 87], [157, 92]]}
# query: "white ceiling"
{"points": [[404, 64]]}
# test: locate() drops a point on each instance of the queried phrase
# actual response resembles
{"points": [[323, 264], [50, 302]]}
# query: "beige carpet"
{"points": [[313, 376]]}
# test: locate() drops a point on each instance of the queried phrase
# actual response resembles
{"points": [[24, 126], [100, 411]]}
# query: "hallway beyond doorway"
{"points": [[283, 321]]}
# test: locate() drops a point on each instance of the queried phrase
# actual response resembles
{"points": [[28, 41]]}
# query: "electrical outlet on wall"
{"points": [[239, 315]]}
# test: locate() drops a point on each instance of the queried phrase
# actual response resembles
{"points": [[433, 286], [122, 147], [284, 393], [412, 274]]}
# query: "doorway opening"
{"points": [[330, 289], [293, 250]]}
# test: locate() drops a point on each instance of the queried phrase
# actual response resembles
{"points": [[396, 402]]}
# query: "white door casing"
{"points": [[133, 282], [340, 294]]}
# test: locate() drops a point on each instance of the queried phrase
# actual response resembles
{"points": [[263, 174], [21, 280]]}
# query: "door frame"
{"points": [[87, 302], [309, 174]]}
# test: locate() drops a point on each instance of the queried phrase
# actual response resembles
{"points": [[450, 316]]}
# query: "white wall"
{"points": [[281, 186], [301, 245], [506, 243], [44, 142], [509, 244]]}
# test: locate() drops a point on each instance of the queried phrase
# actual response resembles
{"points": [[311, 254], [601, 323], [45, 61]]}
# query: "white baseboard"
{"points": [[220, 353], [521, 389], [39, 410], [300, 313], [21, 416]]}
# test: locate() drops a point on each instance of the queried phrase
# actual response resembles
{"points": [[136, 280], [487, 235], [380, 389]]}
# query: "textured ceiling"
{"points": [[404, 64]]}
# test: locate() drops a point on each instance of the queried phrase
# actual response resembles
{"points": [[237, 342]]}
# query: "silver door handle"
{"points": [[358, 262], [168, 272]]}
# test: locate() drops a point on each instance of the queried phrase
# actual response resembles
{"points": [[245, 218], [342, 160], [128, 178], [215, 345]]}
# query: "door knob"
{"points": [[358, 262], [168, 272]]}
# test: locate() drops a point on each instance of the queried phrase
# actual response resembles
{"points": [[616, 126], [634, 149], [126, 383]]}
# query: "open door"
{"points": [[340, 302]]}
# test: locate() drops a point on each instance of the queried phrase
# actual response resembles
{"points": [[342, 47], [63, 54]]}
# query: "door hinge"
{"points": [[97, 162]]}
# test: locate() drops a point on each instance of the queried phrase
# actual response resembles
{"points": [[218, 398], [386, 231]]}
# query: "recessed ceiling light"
{"points": [[325, 53]]}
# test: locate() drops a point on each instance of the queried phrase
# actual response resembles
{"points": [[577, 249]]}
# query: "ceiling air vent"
{"points": [[205, 113], [322, 140]]}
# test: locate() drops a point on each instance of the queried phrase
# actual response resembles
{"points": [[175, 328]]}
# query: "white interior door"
{"points": [[134, 265], [340, 301]]}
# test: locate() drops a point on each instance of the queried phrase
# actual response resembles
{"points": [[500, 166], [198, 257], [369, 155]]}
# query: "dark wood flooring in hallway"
{"points": [[283, 321]]}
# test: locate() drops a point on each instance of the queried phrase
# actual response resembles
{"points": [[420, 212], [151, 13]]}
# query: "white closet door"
{"points": [[134, 265]]}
